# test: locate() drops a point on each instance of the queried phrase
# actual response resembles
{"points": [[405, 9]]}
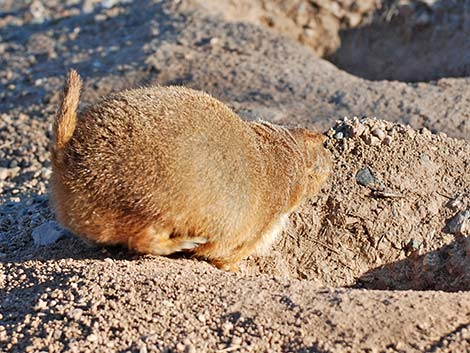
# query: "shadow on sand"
{"points": [[424, 44], [446, 269]]}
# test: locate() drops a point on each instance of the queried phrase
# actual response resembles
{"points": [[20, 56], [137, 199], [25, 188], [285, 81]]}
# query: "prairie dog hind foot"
{"points": [[160, 242]]}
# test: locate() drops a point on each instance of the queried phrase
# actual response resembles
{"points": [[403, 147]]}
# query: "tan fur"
{"points": [[167, 169]]}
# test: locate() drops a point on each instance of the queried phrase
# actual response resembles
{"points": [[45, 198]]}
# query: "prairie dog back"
{"points": [[167, 169]]}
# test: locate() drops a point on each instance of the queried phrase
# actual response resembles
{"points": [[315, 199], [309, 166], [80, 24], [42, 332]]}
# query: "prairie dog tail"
{"points": [[66, 118]]}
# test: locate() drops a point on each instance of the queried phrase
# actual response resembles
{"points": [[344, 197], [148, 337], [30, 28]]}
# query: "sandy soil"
{"points": [[404, 40], [378, 262]]}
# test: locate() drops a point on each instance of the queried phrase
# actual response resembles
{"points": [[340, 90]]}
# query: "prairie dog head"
{"points": [[317, 158]]}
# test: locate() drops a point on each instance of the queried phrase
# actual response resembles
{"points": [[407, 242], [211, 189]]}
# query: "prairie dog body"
{"points": [[166, 169]]}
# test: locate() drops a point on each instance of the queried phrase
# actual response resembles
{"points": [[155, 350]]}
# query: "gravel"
{"points": [[358, 269]]}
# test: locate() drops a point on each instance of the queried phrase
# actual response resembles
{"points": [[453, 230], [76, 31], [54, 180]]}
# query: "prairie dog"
{"points": [[168, 169]]}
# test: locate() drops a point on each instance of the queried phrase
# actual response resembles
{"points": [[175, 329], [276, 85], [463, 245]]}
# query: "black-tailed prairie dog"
{"points": [[168, 169]]}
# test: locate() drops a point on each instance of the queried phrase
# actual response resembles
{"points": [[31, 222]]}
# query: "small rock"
{"points": [[378, 133], [460, 202], [88, 6], [214, 41], [75, 314], [180, 347], [410, 132], [411, 246], [38, 12], [189, 348], [460, 223], [4, 173], [45, 173], [354, 19], [47, 233], [339, 136], [41, 305], [303, 16], [387, 141], [227, 327], [236, 341], [107, 4], [143, 349], [426, 132], [365, 177], [372, 140], [442, 134], [92, 338], [358, 130]]}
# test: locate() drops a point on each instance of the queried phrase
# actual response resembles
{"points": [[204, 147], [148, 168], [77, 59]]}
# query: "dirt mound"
{"points": [[394, 215], [314, 23], [392, 194], [400, 40]]}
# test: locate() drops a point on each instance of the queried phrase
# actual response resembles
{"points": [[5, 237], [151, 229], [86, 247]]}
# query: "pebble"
{"points": [[459, 202], [410, 133], [358, 130], [339, 136], [378, 133], [41, 305], [227, 327], [459, 224], [180, 347], [387, 141], [365, 177], [92, 337], [214, 41], [189, 348], [4, 173], [426, 132], [45, 173], [107, 4], [47, 233], [38, 12], [372, 140], [75, 314], [237, 341], [413, 244]]}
